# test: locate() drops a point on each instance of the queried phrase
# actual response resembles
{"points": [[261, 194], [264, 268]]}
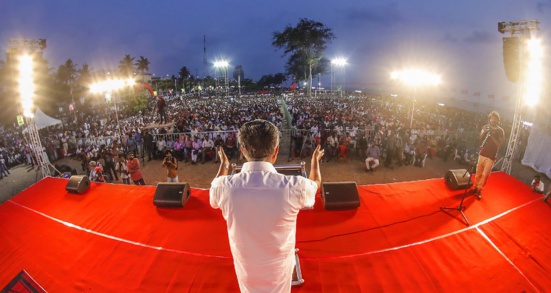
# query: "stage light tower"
{"points": [[23, 51], [530, 54], [26, 90], [223, 65], [415, 78], [338, 64]]}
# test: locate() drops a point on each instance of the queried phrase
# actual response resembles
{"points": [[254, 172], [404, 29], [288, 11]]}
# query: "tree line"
{"points": [[303, 45]]}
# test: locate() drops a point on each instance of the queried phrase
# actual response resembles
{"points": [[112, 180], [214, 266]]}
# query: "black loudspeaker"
{"points": [[78, 184], [340, 196], [458, 179], [511, 58], [171, 194]]}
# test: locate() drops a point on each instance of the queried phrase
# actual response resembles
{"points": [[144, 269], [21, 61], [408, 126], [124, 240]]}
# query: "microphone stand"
{"points": [[461, 207]]}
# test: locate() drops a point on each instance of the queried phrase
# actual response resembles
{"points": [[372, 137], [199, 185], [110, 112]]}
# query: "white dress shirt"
{"points": [[261, 207]]}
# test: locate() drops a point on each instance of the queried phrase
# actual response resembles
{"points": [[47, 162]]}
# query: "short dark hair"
{"points": [[259, 138]]}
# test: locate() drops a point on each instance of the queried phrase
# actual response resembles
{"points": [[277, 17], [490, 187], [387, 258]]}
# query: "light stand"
{"points": [[39, 154], [26, 80], [524, 29]]}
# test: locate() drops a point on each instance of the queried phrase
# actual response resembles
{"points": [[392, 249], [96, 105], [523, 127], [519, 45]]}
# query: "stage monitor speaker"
{"points": [[340, 195], [171, 194], [458, 179], [78, 184]]}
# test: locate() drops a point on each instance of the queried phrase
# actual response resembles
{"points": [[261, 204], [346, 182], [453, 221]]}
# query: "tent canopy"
{"points": [[43, 120]]}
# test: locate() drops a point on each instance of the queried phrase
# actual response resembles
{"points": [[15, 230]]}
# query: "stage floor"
{"points": [[112, 238]]}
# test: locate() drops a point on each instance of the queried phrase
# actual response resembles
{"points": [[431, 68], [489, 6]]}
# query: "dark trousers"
{"points": [[139, 182]]}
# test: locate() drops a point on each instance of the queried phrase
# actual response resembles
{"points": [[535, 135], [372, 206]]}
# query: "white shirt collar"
{"points": [[258, 166]]}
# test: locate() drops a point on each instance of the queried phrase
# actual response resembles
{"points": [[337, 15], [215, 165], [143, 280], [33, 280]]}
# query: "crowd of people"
{"points": [[192, 128], [377, 129]]}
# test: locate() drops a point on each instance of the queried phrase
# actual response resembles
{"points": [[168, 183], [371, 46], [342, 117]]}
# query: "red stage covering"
{"points": [[113, 238]]}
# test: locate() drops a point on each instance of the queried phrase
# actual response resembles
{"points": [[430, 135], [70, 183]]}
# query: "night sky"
{"points": [[458, 39]]}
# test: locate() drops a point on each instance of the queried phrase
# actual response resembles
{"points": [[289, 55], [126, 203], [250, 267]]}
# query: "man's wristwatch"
{"points": [[225, 166]]}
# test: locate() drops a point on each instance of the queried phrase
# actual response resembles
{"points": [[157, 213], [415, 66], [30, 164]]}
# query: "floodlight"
{"points": [[26, 84], [534, 76], [415, 78], [339, 61]]}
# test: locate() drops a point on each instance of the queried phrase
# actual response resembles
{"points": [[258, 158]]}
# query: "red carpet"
{"points": [[114, 239]]}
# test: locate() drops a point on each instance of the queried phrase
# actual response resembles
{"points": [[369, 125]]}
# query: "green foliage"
{"points": [[126, 66], [305, 45], [137, 102], [272, 80]]}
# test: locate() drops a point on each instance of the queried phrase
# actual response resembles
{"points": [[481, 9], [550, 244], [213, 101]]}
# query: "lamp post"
{"points": [[337, 63], [107, 88], [415, 78], [223, 65]]}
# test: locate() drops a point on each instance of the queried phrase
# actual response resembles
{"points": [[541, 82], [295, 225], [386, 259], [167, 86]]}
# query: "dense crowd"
{"points": [[191, 127]]}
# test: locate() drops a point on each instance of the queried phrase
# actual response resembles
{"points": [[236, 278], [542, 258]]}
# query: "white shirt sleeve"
{"points": [[307, 197], [214, 194]]}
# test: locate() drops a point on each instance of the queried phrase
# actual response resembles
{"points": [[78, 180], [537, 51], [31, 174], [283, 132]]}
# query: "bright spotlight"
{"points": [[416, 77], [26, 84], [339, 61], [534, 72], [221, 63]]}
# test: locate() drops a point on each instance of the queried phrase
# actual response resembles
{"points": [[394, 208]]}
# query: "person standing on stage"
{"points": [[492, 137], [260, 207]]}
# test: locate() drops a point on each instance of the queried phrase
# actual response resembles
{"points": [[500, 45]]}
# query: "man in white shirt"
{"points": [[261, 207], [208, 145]]}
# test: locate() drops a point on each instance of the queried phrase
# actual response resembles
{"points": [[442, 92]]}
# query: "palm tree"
{"points": [[66, 77], [305, 43], [142, 65], [126, 66]]}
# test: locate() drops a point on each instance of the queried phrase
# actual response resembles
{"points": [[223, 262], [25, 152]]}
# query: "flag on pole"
{"points": [[492, 96], [464, 92], [477, 94], [293, 86]]}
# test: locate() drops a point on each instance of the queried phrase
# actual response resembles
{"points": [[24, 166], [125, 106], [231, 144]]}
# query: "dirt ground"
{"points": [[200, 175]]}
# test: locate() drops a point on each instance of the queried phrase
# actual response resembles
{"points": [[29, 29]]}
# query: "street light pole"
{"points": [[339, 64], [412, 108]]}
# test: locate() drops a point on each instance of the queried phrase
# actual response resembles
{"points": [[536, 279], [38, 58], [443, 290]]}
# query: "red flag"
{"points": [[477, 94], [293, 86]]}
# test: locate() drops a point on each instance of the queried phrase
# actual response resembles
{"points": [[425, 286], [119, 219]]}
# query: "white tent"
{"points": [[43, 120]]}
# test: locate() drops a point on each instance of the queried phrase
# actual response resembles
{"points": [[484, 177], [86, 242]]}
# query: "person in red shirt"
{"points": [[133, 165]]}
